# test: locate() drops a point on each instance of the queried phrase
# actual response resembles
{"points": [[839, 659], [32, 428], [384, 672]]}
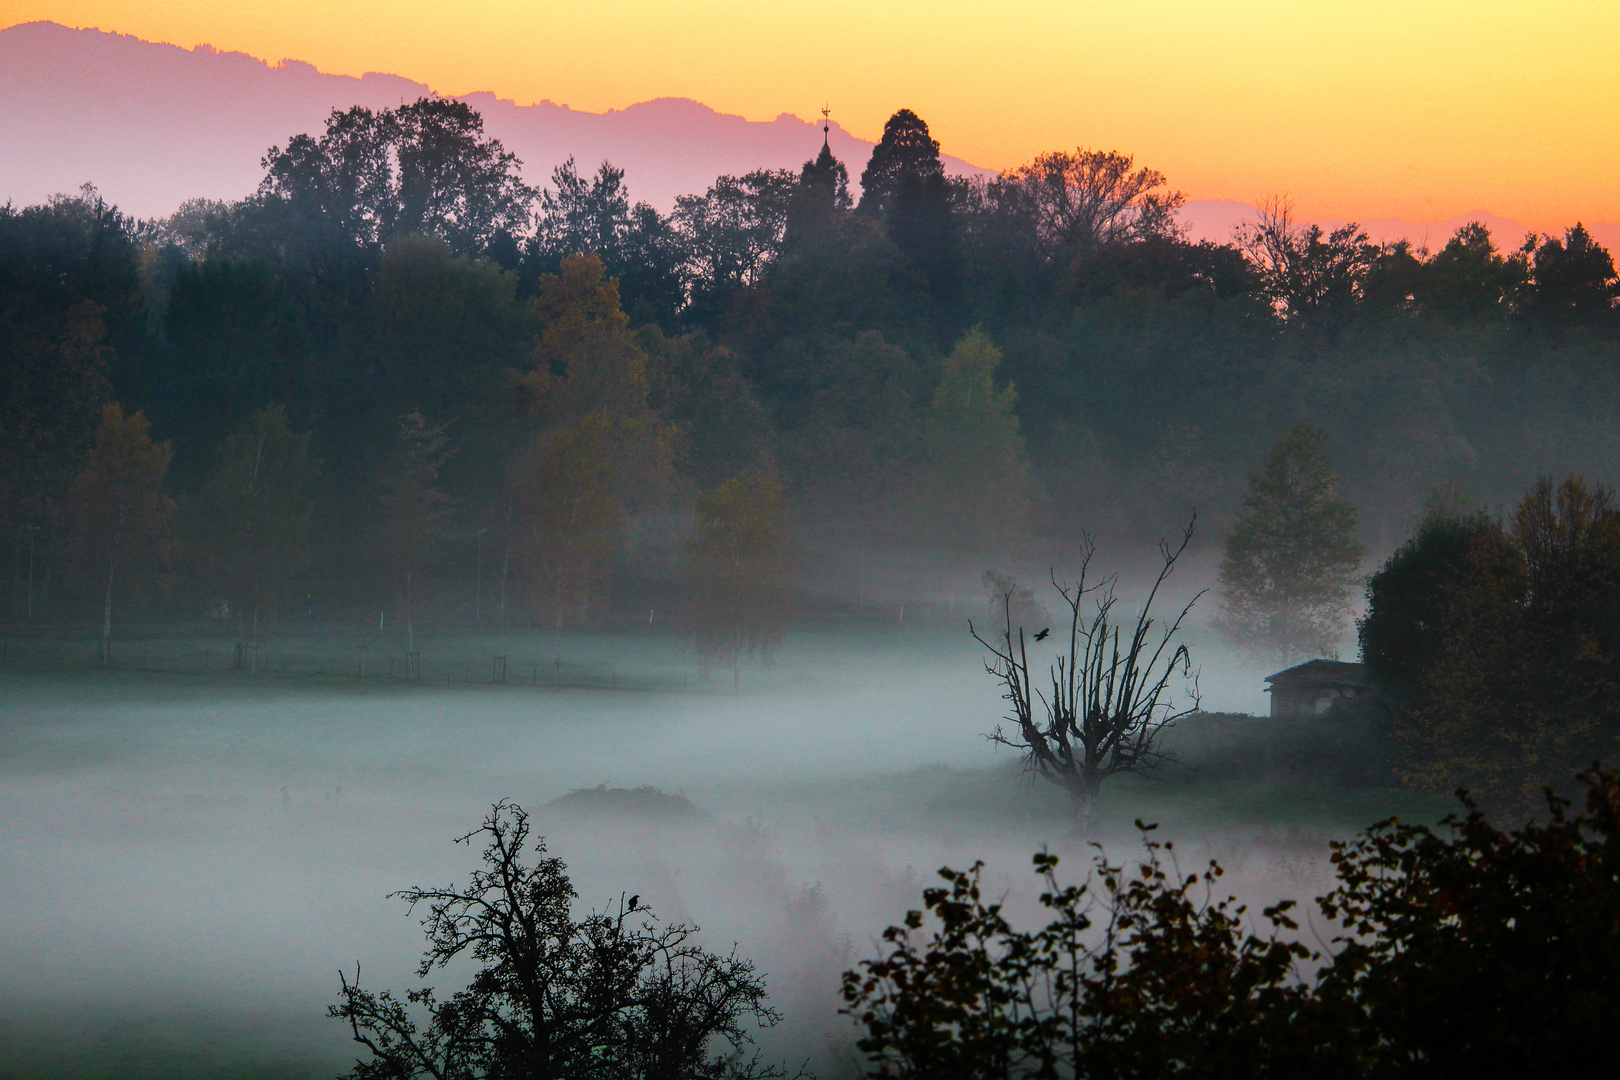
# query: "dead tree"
{"points": [[1110, 695]]}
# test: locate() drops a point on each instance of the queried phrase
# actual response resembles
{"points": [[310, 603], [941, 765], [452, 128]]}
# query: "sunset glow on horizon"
{"points": [[1359, 110]]}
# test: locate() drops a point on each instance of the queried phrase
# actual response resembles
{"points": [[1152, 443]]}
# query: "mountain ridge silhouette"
{"points": [[152, 124]]}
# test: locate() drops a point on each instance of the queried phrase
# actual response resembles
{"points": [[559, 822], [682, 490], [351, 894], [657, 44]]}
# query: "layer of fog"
{"points": [[185, 864]]}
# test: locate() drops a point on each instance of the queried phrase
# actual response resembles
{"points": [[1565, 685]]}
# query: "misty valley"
{"points": [[898, 625], [191, 858]]}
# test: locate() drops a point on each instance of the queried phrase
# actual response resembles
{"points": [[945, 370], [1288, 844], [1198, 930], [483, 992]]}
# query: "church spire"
{"points": [[826, 127]]}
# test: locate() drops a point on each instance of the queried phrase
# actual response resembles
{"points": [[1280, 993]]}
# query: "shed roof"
{"points": [[1320, 673]]}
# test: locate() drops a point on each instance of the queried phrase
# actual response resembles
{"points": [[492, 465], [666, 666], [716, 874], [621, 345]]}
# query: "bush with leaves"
{"points": [[1463, 951], [615, 995]]}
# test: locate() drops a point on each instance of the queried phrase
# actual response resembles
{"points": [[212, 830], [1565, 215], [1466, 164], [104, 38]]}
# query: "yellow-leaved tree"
{"points": [[568, 523], [739, 559], [978, 475]]}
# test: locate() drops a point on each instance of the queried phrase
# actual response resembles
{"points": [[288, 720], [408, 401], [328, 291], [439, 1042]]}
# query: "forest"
{"points": [[398, 364]]}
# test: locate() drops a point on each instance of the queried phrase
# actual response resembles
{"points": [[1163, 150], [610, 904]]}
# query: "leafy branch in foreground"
{"points": [[615, 996], [1164, 976], [1462, 951], [1110, 695]]}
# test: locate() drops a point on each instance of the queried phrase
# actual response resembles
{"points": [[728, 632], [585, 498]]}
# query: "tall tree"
{"points": [[588, 362], [1573, 281], [1469, 281], [568, 523], [1090, 199], [71, 328], [979, 486], [732, 234], [251, 519], [49, 404], [640, 248], [119, 515], [906, 153], [1291, 556], [1402, 634], [1520, 686], [904, 185], [737, 568], [1311, 277], [426, 167], [414, 509]]}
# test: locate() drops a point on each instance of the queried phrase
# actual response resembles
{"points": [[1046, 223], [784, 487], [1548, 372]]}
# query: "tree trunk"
{"points": [[106, 613], [410, 622], [556, 647], [1083, 789]]}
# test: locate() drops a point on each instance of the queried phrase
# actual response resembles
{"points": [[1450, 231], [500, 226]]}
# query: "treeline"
{"points": [[948, 368]]}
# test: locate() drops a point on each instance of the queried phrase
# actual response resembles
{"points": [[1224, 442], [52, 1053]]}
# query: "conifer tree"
{"points": [[1291, 556]]}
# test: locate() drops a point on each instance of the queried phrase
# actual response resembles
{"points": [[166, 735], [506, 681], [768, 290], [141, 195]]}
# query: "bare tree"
{"points": [[1111, 695]]}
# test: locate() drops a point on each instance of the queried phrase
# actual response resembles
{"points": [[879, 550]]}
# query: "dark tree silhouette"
{"points": [[613, 996], [1463, 951], [1574, 280], [1109, 698], [905, 153], [904, 185], [426, 167]]}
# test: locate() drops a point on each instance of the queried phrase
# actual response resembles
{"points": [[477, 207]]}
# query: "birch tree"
{"points": [[119, 515]]}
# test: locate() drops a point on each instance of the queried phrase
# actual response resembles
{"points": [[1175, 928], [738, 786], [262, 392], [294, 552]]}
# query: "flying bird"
{"points": [[634, 900], [1042, 635]]}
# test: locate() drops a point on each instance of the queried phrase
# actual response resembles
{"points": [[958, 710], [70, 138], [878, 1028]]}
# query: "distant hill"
{"points": [[1216, 219], [153, 125]]}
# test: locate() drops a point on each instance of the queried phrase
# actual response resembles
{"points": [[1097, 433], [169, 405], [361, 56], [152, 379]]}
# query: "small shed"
{"points": [[1311, 688]]}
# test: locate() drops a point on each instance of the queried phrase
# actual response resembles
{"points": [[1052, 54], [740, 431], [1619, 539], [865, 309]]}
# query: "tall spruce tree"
{"points": [[904, 184], [1291, 556]]}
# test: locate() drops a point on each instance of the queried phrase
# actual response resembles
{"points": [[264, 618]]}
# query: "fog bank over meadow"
{"points": [[188, 861]]}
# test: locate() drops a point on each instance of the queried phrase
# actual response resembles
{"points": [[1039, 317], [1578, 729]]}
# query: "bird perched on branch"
{"points": [[634, 900], [1042, 635]]}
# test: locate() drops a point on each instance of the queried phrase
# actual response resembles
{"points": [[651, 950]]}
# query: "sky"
{"points": [[1365, 109]]}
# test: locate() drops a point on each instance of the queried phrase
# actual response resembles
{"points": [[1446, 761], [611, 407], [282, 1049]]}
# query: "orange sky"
{"points": [[1420, 109]]}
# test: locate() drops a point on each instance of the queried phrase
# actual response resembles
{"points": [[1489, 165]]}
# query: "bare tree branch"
{"points": [[1109, 697]]}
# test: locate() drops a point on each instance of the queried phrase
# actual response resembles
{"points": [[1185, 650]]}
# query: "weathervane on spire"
{"points": [[826, 124]]}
